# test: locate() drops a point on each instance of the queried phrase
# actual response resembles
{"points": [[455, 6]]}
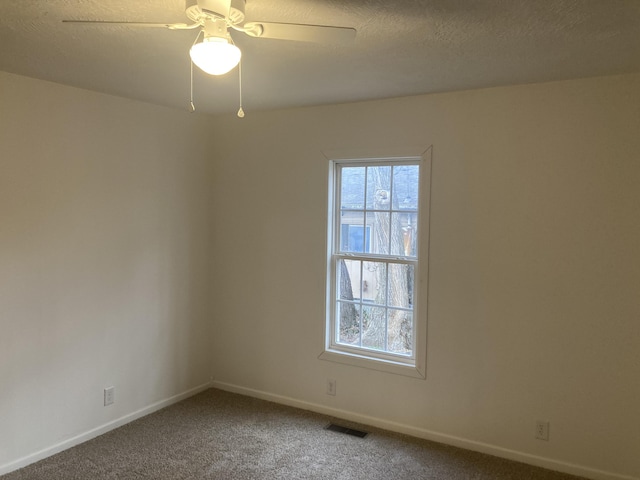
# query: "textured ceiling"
{"points": [[402, 48]]}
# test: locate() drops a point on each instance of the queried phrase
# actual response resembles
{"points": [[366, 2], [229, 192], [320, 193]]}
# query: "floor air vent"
{"points": [[349, 431]]}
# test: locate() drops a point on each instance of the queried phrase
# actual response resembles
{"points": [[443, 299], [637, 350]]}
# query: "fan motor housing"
{"points": [[199, 10]]}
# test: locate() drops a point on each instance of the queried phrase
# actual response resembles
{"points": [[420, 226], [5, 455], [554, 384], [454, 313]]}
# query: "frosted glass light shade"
{"points": [[215, 55]]}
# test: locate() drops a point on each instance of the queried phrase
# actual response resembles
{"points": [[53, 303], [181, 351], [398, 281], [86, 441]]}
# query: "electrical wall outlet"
{"points": [[109, 395], [331, 387], [542, 430]]}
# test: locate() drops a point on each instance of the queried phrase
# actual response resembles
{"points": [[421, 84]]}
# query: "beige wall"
{"points": [[137, 252], [105, 230], [534, 267]]}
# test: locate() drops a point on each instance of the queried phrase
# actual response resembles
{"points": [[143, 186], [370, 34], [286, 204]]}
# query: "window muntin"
{"points": [[372, 300]]}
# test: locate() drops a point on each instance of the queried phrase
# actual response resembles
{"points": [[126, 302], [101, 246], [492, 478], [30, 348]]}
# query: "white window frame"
{"points": [[414, 365]]}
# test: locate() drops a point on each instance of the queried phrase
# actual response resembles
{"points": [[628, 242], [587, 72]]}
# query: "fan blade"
{"points": [[300, 32], [170, 26]]}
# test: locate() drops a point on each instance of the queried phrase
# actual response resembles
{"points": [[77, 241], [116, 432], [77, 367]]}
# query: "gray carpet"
{"points": [[221, 435]]}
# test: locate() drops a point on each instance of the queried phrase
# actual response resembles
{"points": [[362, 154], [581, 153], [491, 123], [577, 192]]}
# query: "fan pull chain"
{"points": [[240, 110], [192, 107]]}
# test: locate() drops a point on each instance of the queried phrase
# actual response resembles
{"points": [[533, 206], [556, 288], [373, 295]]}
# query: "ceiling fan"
{"points": [[216, 54]]}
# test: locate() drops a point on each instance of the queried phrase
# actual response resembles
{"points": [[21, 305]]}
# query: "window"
{"points": [[374, 262]]}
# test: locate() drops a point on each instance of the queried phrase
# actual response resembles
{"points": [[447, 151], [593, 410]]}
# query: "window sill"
{"points": [[373, 364]]}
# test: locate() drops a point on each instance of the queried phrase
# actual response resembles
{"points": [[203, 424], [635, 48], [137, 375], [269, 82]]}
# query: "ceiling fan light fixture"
{"points": [[215, 55]]}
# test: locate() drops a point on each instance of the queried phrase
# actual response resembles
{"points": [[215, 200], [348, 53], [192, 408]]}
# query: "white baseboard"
{"points": [[83, 437], [481, 447]]}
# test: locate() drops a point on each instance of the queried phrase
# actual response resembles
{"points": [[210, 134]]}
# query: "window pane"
{"points": [[348, 281], [404, 234], [399, 331], [352, 238], [379, 188], [374, 328], [401, 285], [352, 188], [379, 222], [405, 187], [348, 323], [374, 282]]}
